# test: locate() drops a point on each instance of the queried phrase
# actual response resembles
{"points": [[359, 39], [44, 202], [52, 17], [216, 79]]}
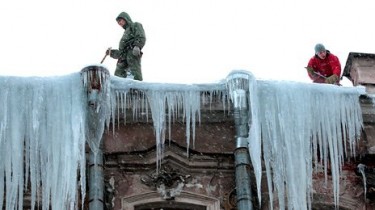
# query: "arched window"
{"points": [[184, 201]]}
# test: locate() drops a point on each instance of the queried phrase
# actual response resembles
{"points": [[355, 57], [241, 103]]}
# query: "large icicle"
{"points": [[42, 128], [296, 120], [98, 93], [167, 103]]}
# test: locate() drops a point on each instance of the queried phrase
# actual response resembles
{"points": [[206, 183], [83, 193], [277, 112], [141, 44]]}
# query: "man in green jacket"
{"points": [[129, 52]]}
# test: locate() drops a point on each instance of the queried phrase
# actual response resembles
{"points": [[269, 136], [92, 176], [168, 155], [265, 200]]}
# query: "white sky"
{"points": [[188, 41]]}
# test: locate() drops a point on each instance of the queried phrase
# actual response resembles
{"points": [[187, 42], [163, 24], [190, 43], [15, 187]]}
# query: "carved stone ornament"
{"points": [[169, 182]]}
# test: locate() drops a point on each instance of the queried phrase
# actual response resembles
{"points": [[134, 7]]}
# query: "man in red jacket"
{"points": [[324, 67]]}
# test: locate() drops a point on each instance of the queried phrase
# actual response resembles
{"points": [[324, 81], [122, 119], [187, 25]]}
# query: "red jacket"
{"points": [[326, 67]]}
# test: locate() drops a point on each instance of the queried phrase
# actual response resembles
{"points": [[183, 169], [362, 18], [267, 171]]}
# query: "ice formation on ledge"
{"points": [[44, 122], [97, 90], [42, 141], [297, 121]]}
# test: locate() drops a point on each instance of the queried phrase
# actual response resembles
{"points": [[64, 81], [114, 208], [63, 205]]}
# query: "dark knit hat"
{"points": [[319, 48]]}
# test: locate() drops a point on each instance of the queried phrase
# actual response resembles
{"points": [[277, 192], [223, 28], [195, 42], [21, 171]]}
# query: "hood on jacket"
{"points": [[126, 17]]}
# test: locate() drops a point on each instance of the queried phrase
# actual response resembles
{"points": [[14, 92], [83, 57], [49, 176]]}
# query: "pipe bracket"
{"points": [[241, 142]]}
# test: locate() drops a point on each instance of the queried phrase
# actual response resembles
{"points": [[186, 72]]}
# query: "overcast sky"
{"points": [[188, 41]]}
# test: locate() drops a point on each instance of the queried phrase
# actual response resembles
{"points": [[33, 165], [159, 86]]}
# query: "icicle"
{"points": [[182, 104], [292, 114], [361, 169], [42, 122], [167, 102], [96, 81], [255, 146]]}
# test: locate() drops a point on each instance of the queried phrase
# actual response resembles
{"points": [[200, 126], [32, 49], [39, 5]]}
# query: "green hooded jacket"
{"points": [[134, 35]]}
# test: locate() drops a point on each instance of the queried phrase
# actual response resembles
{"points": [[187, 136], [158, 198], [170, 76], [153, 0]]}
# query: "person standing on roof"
{"points": [[324, 67], [129, 52]]}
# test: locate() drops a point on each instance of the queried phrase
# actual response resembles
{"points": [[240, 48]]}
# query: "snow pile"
{"points": [[42, 141]]}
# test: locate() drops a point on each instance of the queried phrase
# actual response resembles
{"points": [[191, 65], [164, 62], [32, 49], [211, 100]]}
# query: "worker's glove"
{"points": [[332, 79], [310, 70], [136, 51]]}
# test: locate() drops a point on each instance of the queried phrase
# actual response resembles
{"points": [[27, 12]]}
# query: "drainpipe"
{"points": [[96, 181], [95, 78], [241, 153]]}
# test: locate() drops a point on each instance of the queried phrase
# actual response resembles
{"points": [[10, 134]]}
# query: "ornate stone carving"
{"points": [[230, 200], [168, 182]]}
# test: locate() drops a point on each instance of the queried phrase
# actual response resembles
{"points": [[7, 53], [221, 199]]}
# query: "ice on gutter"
{"points": [[290, 121], [42, 141], [298, 120]]}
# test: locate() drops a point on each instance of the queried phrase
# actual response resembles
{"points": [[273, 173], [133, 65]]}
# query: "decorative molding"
{"points": [[168, 181], [130, 203], [175, 155]]}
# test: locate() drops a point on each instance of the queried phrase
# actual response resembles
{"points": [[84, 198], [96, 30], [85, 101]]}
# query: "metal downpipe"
{"points": [[96, 181], [95, 78], [241, 153]]}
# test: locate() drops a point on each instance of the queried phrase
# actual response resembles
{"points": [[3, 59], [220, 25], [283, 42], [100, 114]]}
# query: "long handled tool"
{"points": [[311, 70], [109, 52]]}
